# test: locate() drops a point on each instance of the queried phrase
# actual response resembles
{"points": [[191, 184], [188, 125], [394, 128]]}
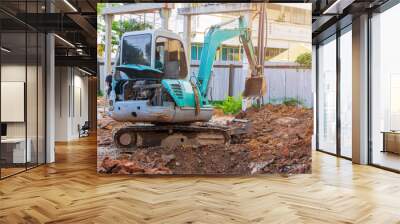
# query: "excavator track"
{"points": [[134, 136]]}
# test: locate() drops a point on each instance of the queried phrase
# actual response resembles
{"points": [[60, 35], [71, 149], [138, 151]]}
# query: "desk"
{"points": [[391, 141], [13, 150]]}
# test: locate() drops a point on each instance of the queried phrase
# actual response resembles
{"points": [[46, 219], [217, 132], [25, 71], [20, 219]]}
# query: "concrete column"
{"points": [[108, 47], [50, 99], [187, 30], [164, 14], [62, 100], [360, 90]]}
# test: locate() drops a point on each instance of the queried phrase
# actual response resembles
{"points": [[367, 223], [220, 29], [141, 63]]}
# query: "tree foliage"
{"points": [[100, 7], [122, 26], [118, 27], [304, 59]]}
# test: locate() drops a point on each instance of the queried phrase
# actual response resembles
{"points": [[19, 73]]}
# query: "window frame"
{"points": [[122, 45], [334, 37], [182, 46]]}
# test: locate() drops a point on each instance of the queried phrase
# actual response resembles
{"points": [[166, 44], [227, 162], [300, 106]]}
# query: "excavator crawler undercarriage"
{"points": [[198, 134]]}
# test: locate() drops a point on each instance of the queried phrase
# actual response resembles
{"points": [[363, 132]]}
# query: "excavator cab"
{"points": [[152, 54]]}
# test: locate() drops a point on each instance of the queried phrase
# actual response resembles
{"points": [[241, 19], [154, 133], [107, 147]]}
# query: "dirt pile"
{"points": [[280, 138], [101, 102], [279, 141]]}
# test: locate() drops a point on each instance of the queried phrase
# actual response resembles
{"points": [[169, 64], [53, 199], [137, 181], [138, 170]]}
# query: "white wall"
{"points": [[62, 81], [33, 126], [71, 102], [14, 72]]}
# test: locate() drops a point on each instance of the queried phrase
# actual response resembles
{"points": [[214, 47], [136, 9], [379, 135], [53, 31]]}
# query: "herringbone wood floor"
{"points": [[70, 191]]}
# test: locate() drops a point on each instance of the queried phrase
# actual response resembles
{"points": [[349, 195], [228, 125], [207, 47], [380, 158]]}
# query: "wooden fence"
{"points": [[283, 82]]}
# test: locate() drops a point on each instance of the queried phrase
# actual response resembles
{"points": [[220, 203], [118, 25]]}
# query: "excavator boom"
{"points": [[213, 39]]}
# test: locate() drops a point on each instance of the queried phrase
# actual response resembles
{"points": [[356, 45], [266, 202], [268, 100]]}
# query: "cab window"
{"points": [[170, 58], [136, 49]]}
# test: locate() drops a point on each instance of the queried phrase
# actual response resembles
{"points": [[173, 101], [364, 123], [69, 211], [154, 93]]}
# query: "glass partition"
{"points": [[13, 94], [31, 97], [346, 92], [385, 89], [22, 78], [327, 95]]}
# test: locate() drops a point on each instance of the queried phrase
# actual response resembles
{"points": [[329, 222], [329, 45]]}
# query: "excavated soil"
{"points": [[279, 141]]}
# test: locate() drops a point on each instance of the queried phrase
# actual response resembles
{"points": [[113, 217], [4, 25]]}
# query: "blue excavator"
{"points": [[152, 89]]}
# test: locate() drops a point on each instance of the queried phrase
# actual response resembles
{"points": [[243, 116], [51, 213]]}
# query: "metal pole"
{"points": [[261, 41], [187, 30], [108, 47]]}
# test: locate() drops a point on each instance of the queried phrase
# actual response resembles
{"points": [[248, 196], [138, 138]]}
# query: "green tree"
{"points": [[100, 6], [119, 27], [122, 26], [304, 59]]}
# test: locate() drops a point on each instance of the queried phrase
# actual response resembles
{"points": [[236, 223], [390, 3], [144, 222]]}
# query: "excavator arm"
{"points": [[214, 37]]}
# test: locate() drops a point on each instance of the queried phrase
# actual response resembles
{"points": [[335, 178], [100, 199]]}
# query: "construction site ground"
{"points": [[278, 142]]}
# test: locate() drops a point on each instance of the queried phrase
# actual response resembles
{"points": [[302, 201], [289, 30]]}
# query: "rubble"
{"points": [[125, 166], [256, 167], [279, 142]]}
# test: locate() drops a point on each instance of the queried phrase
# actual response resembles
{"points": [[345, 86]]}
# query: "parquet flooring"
{"points": [[70, 191]]}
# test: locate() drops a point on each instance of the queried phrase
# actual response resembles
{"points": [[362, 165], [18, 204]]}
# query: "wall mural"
{"points": [[156, 114]]}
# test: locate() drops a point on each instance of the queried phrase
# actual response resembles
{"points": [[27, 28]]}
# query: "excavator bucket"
{"points": [[254, 87]]}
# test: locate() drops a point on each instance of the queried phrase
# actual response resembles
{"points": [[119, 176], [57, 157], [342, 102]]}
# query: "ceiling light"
{"points": [[70, 5], [86, 72], [65, 41], [5, 50]]}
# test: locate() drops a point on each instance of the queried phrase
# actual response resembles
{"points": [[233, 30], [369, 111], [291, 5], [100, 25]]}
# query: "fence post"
{"points": [[231, 79]]}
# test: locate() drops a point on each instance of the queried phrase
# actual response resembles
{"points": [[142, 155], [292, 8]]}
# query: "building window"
{"points": [[385, 89], [223, 53], [334, 106], [194, 52], [327, 96], [346, 93], [236, 56], [272, 52], [231, 53]]}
